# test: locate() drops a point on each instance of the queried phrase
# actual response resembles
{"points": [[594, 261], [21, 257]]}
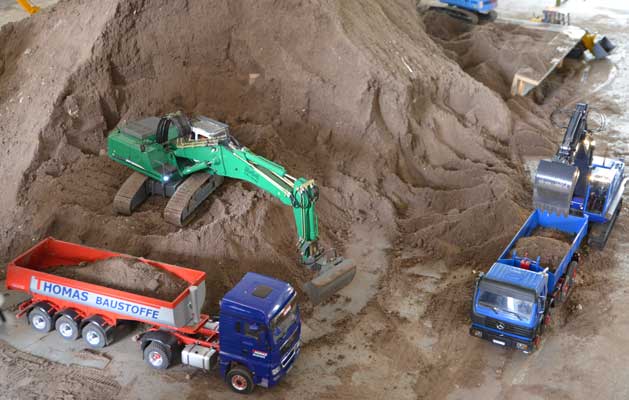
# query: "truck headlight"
{"points": [[478, 333], [276, 370], [522, 346]]}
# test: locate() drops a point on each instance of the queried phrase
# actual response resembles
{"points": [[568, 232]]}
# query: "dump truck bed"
{"points": [[575, 226], [30, 273]]}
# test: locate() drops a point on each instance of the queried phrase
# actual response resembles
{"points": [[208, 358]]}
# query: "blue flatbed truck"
{"points": [[512, 302]]}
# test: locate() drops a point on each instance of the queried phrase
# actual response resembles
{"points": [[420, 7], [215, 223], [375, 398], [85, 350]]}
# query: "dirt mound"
{"points": [[414, 158], [551, 251], [127, 274]]}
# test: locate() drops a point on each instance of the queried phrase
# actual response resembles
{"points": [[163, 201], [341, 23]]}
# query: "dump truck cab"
{"points": [[259, 331], [508, 306]]}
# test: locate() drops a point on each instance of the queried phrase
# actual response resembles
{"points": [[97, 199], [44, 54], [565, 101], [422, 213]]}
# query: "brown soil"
{"points": [[417, 161], [126, 274], [551, 251]]}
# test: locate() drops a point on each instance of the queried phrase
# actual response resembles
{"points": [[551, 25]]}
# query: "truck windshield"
{"points": [[284, 320], [499, 298]]}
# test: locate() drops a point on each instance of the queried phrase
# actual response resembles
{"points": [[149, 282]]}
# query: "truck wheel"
{"points": [[157, 356], [240, 380], [40, 320], [94, 336], [566, 288], [67, 328]]}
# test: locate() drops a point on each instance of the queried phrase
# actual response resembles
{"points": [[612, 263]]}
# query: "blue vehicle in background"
{"points": [[471, 11], [512, 302]]}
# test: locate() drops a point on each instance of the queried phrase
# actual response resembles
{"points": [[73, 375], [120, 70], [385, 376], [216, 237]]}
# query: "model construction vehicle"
{"points": [[575, 194], [187, 160], [255, 341]]}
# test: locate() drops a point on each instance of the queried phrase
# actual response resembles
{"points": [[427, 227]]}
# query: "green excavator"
{"points": [[186, 160]]}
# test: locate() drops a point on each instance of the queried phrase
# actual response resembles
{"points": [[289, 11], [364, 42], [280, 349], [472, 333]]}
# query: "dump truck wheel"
{"points": [[240, 380], [568, 284], [67, 328], [94, 336], [40, 320], [157, 356]]}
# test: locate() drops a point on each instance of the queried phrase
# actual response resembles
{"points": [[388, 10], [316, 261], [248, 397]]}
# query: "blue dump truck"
{"points": [[513, 301]]}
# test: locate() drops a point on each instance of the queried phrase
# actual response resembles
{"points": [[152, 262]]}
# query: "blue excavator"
{"points": [[577, 182], [472, 11]]}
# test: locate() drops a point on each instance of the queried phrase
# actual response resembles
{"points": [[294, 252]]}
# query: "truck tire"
{"points": [[240, 380], [67, 328], [566, 288], [94, 335], [157, 355], [40, 320]]}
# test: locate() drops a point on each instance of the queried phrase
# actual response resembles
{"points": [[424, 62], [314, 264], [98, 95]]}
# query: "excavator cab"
{"points": [[599, 187]]}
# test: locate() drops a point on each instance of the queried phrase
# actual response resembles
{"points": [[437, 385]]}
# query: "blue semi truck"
{"points": [[513, 301]]}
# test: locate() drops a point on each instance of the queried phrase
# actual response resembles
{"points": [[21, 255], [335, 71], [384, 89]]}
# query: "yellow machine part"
{"points": [[28, 7], [588, 41]]}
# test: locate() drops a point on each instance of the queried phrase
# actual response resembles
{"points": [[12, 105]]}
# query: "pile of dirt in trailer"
{"points": [[127, 274], [549, 244], [551, 251]]}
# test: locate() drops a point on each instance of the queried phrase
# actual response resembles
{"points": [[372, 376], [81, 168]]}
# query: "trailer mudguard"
{"points": [[161, 337]]}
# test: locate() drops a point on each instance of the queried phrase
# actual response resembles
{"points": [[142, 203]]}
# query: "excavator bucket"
{"points": [[334, 275], [602, 47], [554, 186]]}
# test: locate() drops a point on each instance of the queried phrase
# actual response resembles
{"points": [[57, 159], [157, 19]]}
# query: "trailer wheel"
{"points": [[40, 320], [94, 336], [157, 355], [566, 288], [240, 380], [67, 328]]}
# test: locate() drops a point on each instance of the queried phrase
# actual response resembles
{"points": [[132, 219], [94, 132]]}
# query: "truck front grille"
{"points": [[506, 327]]}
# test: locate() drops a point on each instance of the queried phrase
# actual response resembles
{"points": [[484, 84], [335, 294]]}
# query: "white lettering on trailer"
{"points": [[123, 307]]}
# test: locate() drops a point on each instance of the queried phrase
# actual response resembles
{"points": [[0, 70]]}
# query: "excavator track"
{"points": [[599, 233], [131, 194], [189, 196]]}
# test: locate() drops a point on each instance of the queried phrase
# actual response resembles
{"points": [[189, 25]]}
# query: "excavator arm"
{"points": [[558, 180], [28, 7], [229, 159]]}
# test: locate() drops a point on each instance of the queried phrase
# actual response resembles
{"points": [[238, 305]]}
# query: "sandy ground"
{"points": [[433, 190]]}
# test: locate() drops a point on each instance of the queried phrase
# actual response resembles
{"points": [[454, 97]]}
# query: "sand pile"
{"points": [[494, 53], [399, 139], [549, 244], [126, 274]]}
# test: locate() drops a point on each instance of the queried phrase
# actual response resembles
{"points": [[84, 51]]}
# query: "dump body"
{"points": [[512, 300], [28, 273]]}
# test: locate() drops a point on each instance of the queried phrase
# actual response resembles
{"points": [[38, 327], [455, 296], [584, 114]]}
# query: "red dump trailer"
{"points": [[259, 328], [76, 308]]}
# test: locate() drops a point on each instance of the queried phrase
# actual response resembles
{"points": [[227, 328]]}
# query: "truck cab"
{"points": [[508, 306], [259, 330]]}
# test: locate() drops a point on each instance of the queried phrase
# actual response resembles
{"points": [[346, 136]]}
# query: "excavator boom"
{"points": [[187, 160]]}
